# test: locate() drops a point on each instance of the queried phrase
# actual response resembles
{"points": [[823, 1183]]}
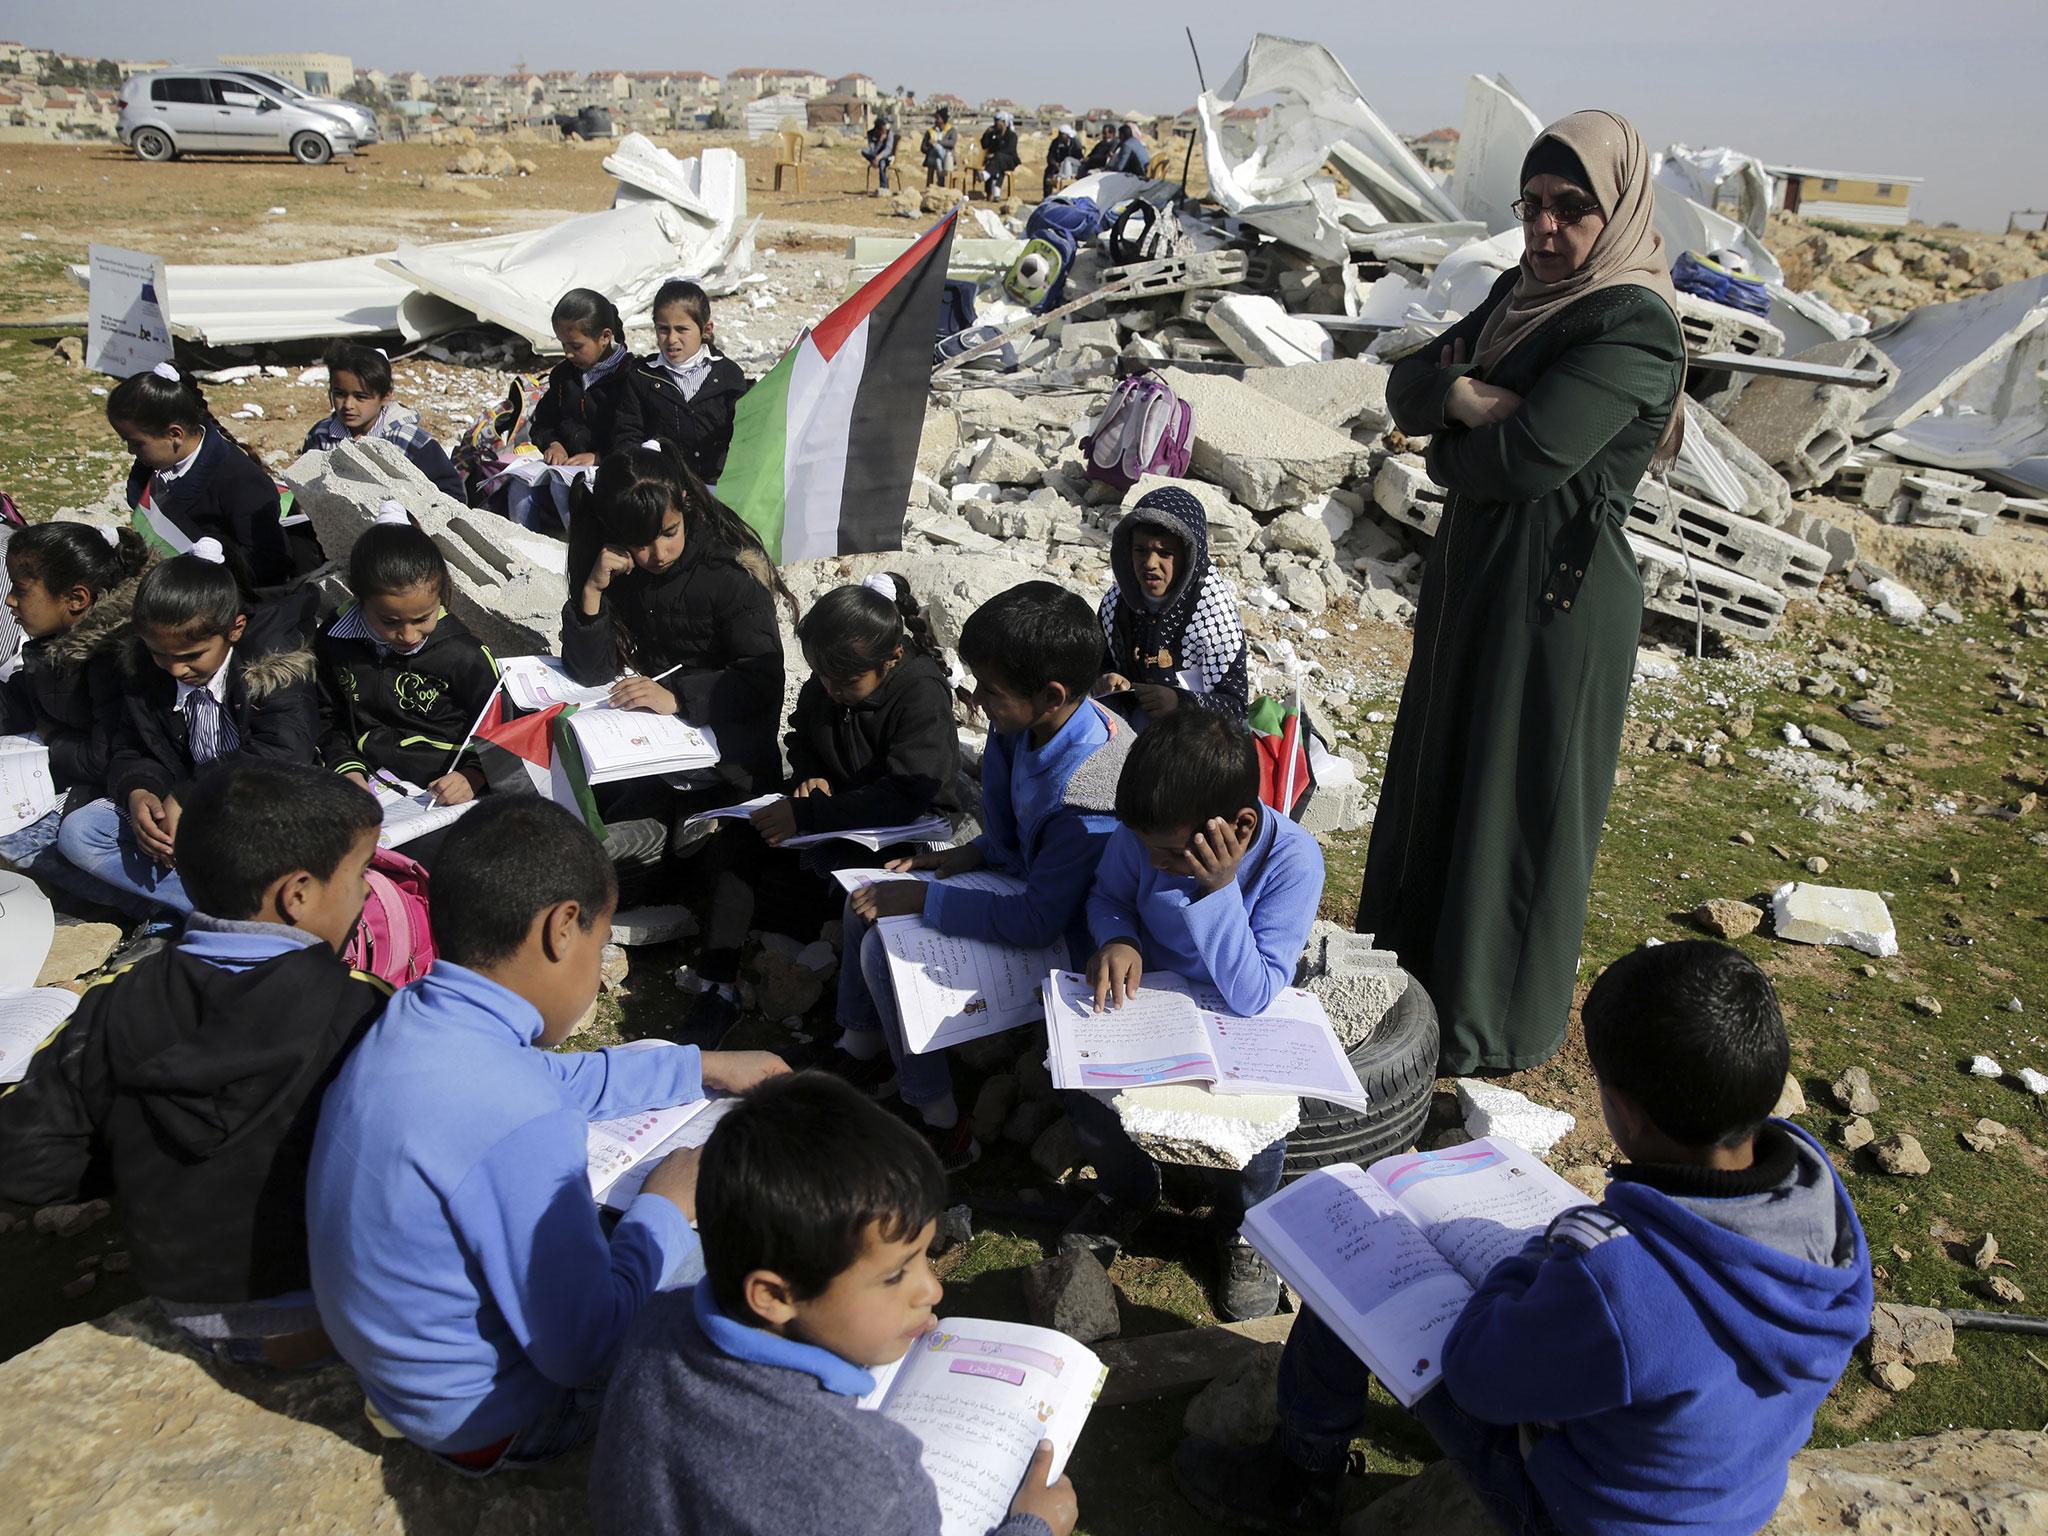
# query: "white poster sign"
{"points": [[129, 331]]}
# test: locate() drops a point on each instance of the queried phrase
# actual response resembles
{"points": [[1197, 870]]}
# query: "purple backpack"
{"points": [[1146, 429]]}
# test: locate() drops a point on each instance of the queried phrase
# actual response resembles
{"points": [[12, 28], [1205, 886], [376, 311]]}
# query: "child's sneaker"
{"points": [[1249, 1287], [1256, 1488], [954, 1143]]}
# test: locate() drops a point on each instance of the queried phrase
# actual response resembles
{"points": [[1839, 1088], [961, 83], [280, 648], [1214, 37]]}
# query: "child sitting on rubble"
{"points": [[193, 1077], [1203, 881], [359, 388], [1169, 621], [735, 1409], [401, 678], [1048, 783], [686, 390], [191, 480], [213, 678], [1650, 1362], [71, 590], [457, 1254], [574, 421]]}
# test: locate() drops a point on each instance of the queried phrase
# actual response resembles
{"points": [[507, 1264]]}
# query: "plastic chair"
{"points": [[789, 156]]}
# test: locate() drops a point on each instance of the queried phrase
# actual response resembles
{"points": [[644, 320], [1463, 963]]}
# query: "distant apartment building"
{"points": [[754, 80], [317, 74], [859, 87]]}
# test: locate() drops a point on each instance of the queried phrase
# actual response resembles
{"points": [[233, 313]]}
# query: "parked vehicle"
{"points": [[589, 123], [365, 120], [169, 112]]}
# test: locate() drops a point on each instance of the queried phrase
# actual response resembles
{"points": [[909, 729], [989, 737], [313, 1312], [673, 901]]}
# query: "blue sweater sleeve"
{"points": [[1251, 948], [1537, 1343], [1056, 884], [998, 839], [1113, 898], [525, 1217], [612, 1082]]}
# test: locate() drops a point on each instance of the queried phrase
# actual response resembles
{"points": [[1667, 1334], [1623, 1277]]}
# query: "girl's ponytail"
{"points": [[858, 628], [60, 556]]}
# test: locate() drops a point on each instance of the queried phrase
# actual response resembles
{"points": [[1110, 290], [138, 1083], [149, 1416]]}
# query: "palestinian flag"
{"points": [[157, 530], [537, 753], [1284, 775], [824, 446]]}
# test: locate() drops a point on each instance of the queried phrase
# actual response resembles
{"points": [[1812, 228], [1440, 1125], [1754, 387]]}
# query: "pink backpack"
{"points": [[1146, 429], [393, 941]]}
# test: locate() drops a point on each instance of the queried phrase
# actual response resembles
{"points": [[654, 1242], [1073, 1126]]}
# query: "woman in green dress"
{"points": [[1543, 408]]}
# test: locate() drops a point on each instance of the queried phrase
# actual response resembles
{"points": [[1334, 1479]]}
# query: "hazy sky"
{"points": [[1956, 92]]}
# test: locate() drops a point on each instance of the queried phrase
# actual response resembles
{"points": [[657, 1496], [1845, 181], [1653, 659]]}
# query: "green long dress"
{"points": [[1504, 750]]}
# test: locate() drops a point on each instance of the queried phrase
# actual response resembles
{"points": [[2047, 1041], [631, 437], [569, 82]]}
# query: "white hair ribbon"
{"points": [[166, 371], [392, 512], [882, 582], [653, 444], [112, 534], [210, 551]]}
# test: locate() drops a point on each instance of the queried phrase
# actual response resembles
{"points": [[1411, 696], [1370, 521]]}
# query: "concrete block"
{"points": [[2031, 511], [1185, 1123], [1303, 590], [1337, 802], [1231, 527], [1198, 349], [1719, 537], [1403, 491], [1803, 429], [1766, 496], [1260, 332], [1265, 453], [508, 584], [1348, 393], [1178, 274], [1297, 533], [1488, 1109], [1804, 913], [1730, 603], [1007, 462], [1197, 302], [1711, 327]]}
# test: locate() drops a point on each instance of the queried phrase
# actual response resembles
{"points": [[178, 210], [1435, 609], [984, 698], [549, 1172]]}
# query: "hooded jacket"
{"points": [[651, 405], [271, 698], [224, 495], [404, 714], [579, 416], [711, 615], [1193, 639], [69, 689], [1665, 1350], [890, 759], [199, 1086], [399, 424]]}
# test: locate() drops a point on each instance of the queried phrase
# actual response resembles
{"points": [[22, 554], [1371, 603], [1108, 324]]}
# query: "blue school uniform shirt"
{"points": [[1244, 939], [1047, 812], [456, 1251]]}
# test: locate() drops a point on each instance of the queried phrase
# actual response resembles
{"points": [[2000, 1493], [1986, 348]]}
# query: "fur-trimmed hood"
{"points": [[103, 631], [273, 653]]}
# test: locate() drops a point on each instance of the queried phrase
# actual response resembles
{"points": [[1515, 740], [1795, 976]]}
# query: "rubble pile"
{"points": [[1884, 276]]}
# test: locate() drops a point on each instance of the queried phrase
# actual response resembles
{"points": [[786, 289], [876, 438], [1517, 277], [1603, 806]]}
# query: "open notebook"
{"points": [[409, 811], [27, 793], [979, 1396], [1172, 1031], [633, 743], [1389, 1255], [874, 839], [29, 1016], [948, 988], [535, 682]]}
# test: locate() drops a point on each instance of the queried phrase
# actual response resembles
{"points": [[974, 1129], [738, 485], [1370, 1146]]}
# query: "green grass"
{"points": [[56, 449]]}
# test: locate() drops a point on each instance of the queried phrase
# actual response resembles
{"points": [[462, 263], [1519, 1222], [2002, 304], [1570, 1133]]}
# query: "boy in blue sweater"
{"points": [[1204, 881], [1048, 786], [735, 1410], [456, 1252], [1651, 1362]]}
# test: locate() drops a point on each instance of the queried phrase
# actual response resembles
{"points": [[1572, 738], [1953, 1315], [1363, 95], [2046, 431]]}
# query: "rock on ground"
{"points": [[1241, 1408], [1071, 1292], [77, 948], [1726, 919], [119, 1428], [1910, 1335]]}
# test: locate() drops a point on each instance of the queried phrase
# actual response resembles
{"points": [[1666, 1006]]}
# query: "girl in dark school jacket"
{"points": [[214, 678], [686, 391], [401, 678], [191, 480], [574, 421], [662, 575]]}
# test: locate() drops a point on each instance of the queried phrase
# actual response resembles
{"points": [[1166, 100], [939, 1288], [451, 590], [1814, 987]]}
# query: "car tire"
{"points": [[311, 149], [1396, 1065], [153, 144]]}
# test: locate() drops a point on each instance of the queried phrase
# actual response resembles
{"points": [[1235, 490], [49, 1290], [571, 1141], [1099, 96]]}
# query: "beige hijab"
{"points": [[1629, 252]]}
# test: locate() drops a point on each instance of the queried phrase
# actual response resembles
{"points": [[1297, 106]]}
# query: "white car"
{"points": [[365, 120], [169, 112]]}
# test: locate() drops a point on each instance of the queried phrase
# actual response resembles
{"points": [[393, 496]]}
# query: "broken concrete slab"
{"points": [[1348, 393], [1727, 602], [1804, 429], [1265, 453], [1006, 462], [1488, 1109], [1898, 602], [1185, 1123], [1403, 491], [1823, 914], [1263, 334], [1711, 448]]}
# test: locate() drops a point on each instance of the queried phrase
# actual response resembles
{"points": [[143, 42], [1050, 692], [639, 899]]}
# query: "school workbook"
{"points": [[410, 811], [28, 1017], [27, 792], [623, 1150], [951, 989], [634, 743], [535, 682], [874, 839], [1389, 1255], [980, 1395], [1172, 1031]]}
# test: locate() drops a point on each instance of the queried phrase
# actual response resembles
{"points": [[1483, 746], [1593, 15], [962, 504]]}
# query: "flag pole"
{"points": [[1287, 785], [463, 745]]}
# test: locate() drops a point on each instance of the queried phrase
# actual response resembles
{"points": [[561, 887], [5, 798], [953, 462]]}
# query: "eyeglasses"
{"points": [[1564, 215]]}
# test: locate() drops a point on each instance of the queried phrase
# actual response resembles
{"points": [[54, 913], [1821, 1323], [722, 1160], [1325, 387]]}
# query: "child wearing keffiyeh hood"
{"points": [[1169, 620]]}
